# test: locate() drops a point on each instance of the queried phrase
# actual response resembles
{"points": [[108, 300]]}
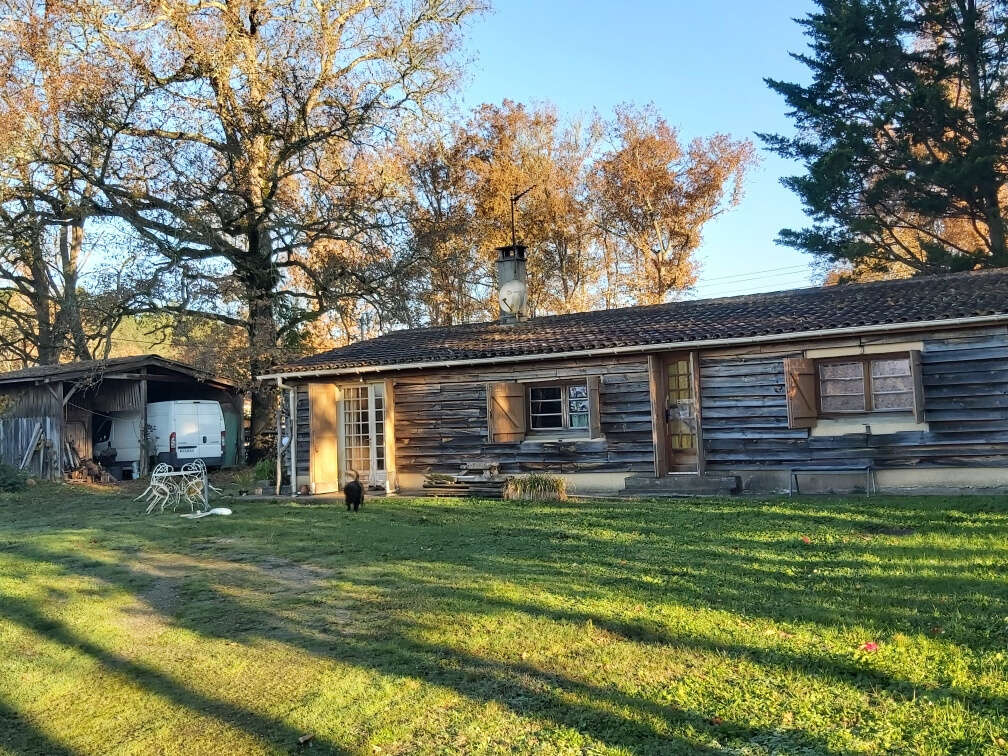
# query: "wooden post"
{"points": [[293, 440], [391, 483], [144, 450], [279, 439], [698, 410], [656, 384], [56, 461]]}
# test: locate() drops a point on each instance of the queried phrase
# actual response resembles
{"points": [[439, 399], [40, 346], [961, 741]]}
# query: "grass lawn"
{"points": [[456, 626]]}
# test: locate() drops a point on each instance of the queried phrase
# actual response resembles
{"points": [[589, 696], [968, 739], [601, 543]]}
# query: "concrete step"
{"points": [[682, 485]]}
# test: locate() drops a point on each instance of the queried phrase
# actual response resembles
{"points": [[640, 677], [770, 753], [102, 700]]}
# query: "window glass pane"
{"points": [[578, 405], [843, 403], [890, 367], [896, 383], [547, 421], [545, 392], [894, 401], [842, 370], [577, 391], [579, 420], [547, 408], [848, 387]]}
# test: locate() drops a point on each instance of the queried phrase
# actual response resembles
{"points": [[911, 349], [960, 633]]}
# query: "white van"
{"points": [[184, 430], [178, 432], [118, 442]]}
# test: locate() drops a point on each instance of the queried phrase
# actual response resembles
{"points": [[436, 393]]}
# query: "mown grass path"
{"points": [[423, 626]]}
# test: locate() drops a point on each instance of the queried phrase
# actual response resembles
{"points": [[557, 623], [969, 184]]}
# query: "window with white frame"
{"points": [[559, 407]]}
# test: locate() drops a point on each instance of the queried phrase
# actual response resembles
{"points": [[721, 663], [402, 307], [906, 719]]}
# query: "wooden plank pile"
{"points": [[483, 483]]}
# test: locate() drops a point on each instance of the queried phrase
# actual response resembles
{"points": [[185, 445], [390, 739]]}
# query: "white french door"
{"points": [[363, 433]]}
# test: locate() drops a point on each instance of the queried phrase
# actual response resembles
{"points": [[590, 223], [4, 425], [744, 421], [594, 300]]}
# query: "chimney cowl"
{"points": [[512, 283]]}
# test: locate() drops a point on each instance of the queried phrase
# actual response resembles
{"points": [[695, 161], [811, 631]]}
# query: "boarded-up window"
{"points": [[506, 412], [800, 382]]}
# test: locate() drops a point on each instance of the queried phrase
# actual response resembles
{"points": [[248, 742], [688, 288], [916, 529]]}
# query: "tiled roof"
{"points": [[849, 306]]}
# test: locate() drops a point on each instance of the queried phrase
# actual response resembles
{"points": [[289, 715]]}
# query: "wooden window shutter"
{"points": [[917, 371], [506, 413], [801, 382], [594, 408]]}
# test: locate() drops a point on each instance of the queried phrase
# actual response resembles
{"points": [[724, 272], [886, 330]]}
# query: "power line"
{"points": [[761, 273]]}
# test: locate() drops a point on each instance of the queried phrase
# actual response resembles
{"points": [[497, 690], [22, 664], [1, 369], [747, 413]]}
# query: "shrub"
{"points": [[265, 469], [536, 487], [11, 479]]}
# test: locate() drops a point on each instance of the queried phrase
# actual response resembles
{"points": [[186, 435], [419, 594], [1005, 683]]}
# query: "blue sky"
{"points": [[701, 63]]}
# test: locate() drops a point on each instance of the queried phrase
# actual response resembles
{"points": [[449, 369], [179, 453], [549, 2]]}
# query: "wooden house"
{"points": [[898, 384], [49, 413]]}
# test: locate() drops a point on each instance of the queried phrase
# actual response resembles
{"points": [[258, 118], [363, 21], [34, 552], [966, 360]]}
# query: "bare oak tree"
{"points": [[246, 140]]}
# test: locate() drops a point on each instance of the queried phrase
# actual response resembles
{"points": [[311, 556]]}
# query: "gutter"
{"points": [[643, 348]]}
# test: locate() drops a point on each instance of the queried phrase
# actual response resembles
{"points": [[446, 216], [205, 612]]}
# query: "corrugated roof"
{"points": [[69, 370], [849, 306]]}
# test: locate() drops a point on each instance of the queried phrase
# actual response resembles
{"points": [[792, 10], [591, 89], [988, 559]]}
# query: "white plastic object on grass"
{"points": [[214, 511]]}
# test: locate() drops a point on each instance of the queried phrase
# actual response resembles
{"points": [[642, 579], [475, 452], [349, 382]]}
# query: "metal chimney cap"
{"points": [[516, 251]]}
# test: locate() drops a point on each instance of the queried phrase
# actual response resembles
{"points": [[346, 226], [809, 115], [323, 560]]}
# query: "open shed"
{"points": [[48, 413]]}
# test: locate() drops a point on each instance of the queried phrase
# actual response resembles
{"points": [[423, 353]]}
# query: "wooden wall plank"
{"points": [[965, 404]]}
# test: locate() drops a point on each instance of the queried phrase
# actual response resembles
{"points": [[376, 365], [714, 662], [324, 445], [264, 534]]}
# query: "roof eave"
{"points": [[644, 348]]}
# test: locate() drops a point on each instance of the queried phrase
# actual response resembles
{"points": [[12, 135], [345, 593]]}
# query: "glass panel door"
{"points": [[364, 433], [680, 414]]}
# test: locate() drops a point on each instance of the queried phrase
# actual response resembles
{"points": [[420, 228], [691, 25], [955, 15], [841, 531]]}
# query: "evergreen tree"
{"points": [[903, 134]]}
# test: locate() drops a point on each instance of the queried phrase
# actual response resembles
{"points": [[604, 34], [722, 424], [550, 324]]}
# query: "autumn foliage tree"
{"points": [[607, 222], [653, 197]]}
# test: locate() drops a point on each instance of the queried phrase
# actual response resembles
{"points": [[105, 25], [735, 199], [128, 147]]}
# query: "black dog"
{"points": [[354, 492]]}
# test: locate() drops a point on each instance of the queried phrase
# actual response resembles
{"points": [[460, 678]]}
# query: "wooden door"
{"points": [[323, 401], [681, 419]]}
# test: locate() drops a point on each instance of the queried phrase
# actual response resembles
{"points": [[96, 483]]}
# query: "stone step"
{"points": [[682, 485]]}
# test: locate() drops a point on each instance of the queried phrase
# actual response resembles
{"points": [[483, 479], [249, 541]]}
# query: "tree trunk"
{"points": [[988, 137], [47, 343], [71, 241], [260, 285]]}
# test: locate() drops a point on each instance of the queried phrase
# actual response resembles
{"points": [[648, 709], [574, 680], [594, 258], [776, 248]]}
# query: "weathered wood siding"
{"points": [[15, 434], [441, 420], [302, 460], [965, 406]]}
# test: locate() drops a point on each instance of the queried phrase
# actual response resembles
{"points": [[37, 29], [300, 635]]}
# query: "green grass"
{"points": [[422, 626]]}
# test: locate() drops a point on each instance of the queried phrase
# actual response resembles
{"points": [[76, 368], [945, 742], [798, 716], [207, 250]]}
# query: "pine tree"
{"points": [[902, 133]]}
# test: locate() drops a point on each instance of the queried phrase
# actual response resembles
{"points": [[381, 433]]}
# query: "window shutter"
{"points": [[594, 408], [506, 412], [801, 381], [917, 371]]}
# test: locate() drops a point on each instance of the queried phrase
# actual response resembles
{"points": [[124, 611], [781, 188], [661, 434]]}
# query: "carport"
{"points": [[48, 413]]}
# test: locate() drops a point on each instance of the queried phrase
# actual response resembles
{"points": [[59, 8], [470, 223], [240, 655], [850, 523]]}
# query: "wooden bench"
{"points": [[871, 486]]}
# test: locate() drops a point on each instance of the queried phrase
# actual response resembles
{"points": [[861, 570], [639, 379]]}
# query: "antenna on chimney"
{"points": [[514, 201]]}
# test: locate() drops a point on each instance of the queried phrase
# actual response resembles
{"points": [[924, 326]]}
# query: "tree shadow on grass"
{"points": [[607, 715], [24, 737], [271, 730], [697, 566]]}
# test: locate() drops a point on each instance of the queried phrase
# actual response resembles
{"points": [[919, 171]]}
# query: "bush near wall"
{"points": [[536, 487], [11, 479]]}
